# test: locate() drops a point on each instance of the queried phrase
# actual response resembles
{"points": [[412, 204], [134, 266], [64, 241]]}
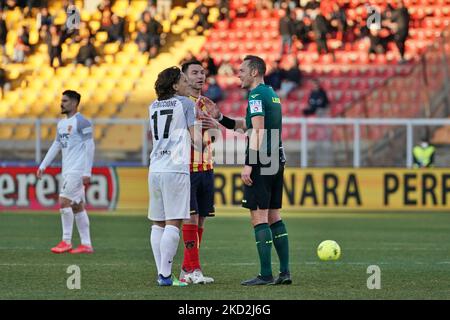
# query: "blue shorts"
{"points": [[202, 193]]}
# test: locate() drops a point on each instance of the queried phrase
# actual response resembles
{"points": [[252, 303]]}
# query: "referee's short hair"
{"points": [[185, 66], [256, 63], [165, 82], [73, 95]]}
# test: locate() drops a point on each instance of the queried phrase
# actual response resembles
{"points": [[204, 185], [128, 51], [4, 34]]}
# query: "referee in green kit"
{"points": [[263, 171]]}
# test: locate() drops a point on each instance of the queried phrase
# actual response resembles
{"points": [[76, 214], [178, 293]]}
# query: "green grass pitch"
{"points": [[412, 251]]}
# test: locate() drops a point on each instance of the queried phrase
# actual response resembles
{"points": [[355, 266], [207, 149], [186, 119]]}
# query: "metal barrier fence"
{"points": [[349, 136]]}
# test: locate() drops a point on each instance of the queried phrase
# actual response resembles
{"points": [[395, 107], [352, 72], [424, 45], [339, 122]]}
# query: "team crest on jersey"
{"points": [[255, 106], [69, 128]]}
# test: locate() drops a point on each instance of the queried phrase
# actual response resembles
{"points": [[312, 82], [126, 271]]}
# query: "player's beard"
{"points": [[64, 111]]}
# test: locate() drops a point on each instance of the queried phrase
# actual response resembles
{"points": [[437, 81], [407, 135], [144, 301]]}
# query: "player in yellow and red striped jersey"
{"points": [[202, 183]]}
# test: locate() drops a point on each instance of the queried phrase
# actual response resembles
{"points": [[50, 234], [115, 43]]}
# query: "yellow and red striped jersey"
{"points": [[202, 161]]}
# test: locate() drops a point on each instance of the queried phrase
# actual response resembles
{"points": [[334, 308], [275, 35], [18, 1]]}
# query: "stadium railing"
{"points": [[356, 149]]}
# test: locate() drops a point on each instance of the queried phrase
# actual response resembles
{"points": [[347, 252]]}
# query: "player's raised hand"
{"points": [[211, 107], [39, 173], [209, 122], [86, 180]]}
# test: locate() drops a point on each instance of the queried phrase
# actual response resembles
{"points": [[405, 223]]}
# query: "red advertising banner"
{"points": [[21, 190]]}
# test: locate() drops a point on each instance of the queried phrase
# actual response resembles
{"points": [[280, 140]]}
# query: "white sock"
{"points": [[155, 242], [82, 221], [168, 247], [67, 224]]}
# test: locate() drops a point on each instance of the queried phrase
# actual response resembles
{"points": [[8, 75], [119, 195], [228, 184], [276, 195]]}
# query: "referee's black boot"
{"points": [[283, 278], [258, 281]]}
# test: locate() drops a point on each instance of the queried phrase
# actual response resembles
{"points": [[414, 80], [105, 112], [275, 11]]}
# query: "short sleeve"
{"points": [[84, 128], [256, 107], [188, 109]]}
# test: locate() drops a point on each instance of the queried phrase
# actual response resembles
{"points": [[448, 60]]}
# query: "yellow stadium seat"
{"points": [[98, 131], [65, 72], [34, 37], [107, 84], [98, 72], [6, 131], [94, 25], [101, 36], [4, 108], [117, 98], [18, 110], [81, 72], [37, 109], [100, 98], [85, 15], [23, 132], [125, 84], [111, 48], [107, 111], [97, 16], [124, 58]]}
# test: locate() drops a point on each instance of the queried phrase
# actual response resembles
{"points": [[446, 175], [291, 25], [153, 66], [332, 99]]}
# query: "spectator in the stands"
{"points": [[22, 45], [55, 38], [151, 7], [87, 54], [143, 38], [44, 21], [320, 28], [274, 76], [3, 33], [318, 99], [225, 68], [200, 15], [302, 26], [339, 21], [105, 5], [287, 31], [213, 91], [209, 64], [291, 78], [224, 10], [163, 8], [154, 29], [106, 21], [400, 18], [116, 32], [4, 82], [84, 32], [378, 41]]}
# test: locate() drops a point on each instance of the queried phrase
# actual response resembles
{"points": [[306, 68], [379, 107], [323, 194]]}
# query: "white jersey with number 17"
{"points": [[169, 123]]}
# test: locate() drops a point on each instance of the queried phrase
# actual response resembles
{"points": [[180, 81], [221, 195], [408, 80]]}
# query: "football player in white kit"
{"points": [[74, 138], [172, 118]]}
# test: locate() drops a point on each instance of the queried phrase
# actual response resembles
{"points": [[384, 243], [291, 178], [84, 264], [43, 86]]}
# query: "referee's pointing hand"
{"points": [[245, 176]]}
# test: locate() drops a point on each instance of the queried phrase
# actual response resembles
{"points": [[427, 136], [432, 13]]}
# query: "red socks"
{"points": [[191, 236], [200, 235]]}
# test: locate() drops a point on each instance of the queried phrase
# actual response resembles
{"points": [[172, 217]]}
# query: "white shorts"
{"points": [[72, 188], [169, 195]]}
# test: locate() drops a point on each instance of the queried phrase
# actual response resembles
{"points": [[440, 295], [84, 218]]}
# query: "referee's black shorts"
{"points": [[266, 191]]}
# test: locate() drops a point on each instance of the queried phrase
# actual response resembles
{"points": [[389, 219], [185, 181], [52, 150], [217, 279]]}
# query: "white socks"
{"points": [[155, 242], [168, 249], [67, 224], [82, 221]]}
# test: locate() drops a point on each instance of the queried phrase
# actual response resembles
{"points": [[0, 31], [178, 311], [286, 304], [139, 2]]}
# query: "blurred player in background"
{"points": [[172, 119], [263, 191], [202, 183], [74, 138]]}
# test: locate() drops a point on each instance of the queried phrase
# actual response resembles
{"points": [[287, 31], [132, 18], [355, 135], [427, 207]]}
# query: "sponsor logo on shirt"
{"points": [[255, 106], [276, 100]]}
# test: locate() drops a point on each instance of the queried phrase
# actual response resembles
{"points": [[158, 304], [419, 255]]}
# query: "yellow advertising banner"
{"points": [[319, 189]]}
